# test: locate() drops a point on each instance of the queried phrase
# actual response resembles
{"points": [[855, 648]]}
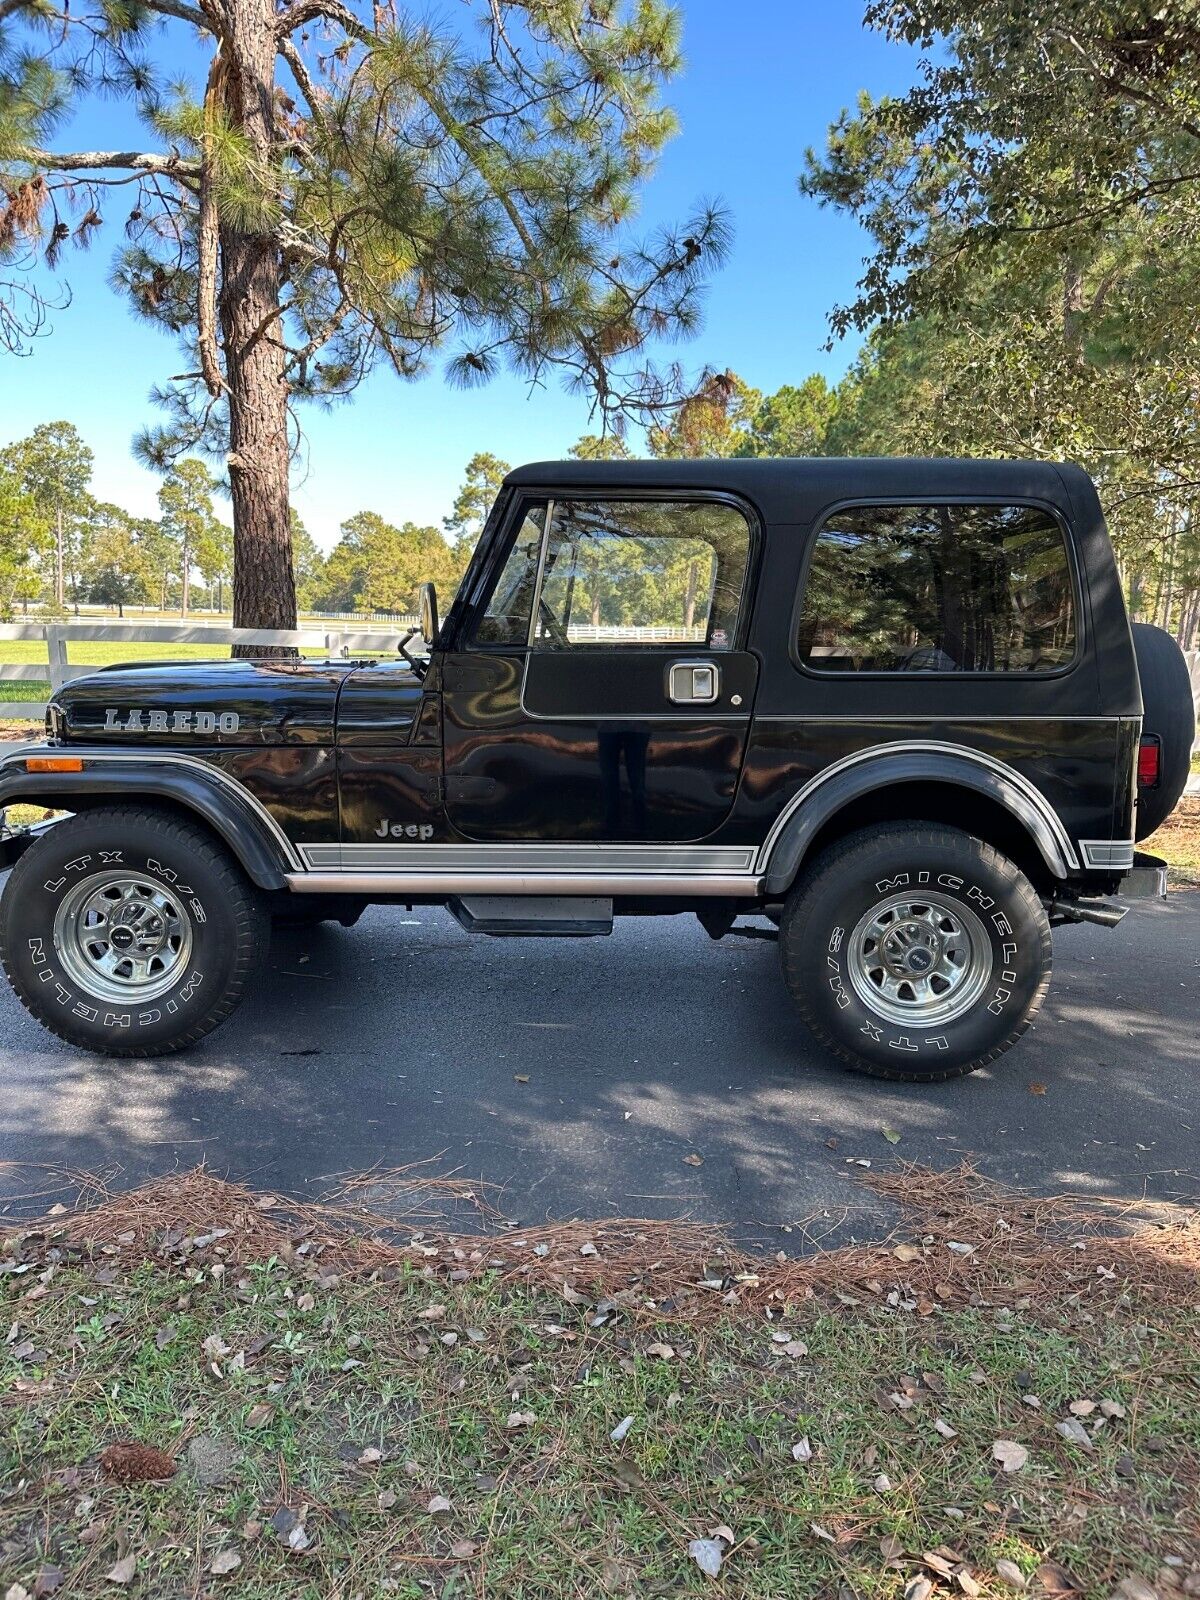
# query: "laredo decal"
{"points": [[139, 721]]}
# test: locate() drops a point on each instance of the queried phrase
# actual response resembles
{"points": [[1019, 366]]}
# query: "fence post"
{"points": [[335, 646], [56, 654]]}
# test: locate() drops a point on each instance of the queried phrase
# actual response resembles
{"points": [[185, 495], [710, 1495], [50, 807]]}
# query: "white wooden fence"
{"points": [[57, 669]]}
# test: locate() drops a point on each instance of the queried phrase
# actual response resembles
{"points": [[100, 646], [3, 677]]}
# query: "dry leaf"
{"points": [[438, 1505], [693, 1161], [1111, 1409], [944, 1428], [1074, 1432], [258, 1416], [1010, 1574], [520, 1419], [1011, 1456], [1037, 1088], [906, 1253], [124, 1570], [225, 1561], [802, 1450], [463, 1549], [1081, 1408], [708, 1555], [890, 1135], [918, 1588]]}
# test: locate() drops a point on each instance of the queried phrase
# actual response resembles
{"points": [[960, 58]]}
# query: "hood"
{"points": [[174, 703]]}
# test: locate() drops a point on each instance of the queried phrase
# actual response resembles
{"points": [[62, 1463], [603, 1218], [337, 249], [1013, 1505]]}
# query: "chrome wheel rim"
{"points": [[122, 937], [919, 959]]}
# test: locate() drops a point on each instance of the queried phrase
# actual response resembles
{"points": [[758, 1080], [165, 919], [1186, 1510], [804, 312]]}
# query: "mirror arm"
{"points": [[419, 666]]}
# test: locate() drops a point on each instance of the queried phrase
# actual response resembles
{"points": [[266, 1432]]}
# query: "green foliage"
{"points": [[199, 538], [600, 447], [431, 189], [1034, 207], [24, 537], [121, 568], [308, 564], [376, 566], [53, 466], [484, 475]]}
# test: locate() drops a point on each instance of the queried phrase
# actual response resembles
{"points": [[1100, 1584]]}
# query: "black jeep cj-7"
{"points": [[894, 707]]}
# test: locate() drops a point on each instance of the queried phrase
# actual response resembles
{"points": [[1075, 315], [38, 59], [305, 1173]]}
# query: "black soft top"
{"points": [[796, 488]]}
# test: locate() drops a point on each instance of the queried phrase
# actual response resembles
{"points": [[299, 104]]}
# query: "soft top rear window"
{"points": [[944, 588]]}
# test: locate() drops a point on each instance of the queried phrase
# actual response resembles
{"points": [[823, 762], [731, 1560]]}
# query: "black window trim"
{"points": [[1035, 502], [529, 497]]}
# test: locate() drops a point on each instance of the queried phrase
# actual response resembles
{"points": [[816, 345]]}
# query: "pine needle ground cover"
{"points": [[208, 1391]]}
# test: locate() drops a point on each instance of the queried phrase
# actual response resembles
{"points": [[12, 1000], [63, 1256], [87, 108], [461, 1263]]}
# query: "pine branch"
{"points": [[186, 13], [304, 11], [302, 76], [171, 166]]}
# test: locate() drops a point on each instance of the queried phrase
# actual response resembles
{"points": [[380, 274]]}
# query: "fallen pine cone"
{"points": [[129, 1462]]}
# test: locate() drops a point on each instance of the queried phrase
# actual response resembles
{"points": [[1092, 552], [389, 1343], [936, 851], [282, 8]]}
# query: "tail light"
{"points": [[1149, 761]]}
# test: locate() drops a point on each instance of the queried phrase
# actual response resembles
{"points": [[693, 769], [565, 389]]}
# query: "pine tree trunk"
{"points": [[264, 591]]}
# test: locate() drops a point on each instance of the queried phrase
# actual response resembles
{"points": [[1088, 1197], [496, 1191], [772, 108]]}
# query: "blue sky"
{"points": [[762, 81]]}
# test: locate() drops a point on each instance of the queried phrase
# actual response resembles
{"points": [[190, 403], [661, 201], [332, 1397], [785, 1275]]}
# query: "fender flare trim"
{"points": [[244, 824], [918, 760]]}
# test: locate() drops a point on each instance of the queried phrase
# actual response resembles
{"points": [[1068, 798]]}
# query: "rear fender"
{"points": [[867, 771]]}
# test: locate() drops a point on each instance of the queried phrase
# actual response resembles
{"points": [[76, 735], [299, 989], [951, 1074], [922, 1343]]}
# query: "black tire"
{"points": [[213, 923], [1170, 712], [827, 950]]}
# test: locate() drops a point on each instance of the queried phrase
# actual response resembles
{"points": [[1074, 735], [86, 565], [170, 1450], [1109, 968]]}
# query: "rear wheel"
{"points": [[915, 952], [130, 932]]}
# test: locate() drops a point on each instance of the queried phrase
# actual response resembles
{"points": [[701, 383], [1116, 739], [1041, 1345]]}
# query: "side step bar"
{"points": [[550, 916]]}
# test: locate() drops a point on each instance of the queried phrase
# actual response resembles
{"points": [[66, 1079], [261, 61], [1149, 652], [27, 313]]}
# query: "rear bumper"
{"points": [[1147, 880]]}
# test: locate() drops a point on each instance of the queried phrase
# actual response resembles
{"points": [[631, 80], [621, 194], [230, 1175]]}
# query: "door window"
{"points": [[644, 572], [506, 620]]}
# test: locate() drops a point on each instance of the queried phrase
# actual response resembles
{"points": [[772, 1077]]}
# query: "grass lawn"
{"points": [[1002, 1398]]}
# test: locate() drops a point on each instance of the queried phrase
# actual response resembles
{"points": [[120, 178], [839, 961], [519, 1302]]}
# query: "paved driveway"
{"points": [[405, 1039]]}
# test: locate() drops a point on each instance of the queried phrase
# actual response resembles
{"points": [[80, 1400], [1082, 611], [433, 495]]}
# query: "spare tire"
{"points": [[1171, 714]]}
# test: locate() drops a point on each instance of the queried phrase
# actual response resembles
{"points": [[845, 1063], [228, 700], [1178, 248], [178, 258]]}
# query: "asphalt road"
{"points": [[407, 1040]]}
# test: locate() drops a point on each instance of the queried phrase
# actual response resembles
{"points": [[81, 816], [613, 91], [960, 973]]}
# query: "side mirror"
{"points": [[428, 613]]}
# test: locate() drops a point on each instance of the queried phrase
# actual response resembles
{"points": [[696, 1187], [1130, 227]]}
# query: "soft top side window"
{"points": [[946, 588]]}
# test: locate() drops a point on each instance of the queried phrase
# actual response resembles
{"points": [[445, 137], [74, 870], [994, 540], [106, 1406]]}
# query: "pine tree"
{"points": [[346, 192]]}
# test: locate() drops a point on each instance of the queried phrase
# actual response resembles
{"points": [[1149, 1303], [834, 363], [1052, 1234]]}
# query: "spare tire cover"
{"points": [[1171, 714]]}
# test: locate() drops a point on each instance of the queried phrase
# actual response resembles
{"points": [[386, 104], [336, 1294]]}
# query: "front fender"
{"points": [[917, 761], [245, 826]]}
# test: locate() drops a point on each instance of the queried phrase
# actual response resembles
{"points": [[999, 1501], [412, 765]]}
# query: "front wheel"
{"points": [[915, 952], [130, 932]]}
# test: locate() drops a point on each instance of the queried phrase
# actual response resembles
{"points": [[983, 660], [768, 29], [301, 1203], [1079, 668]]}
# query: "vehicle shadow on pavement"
{"points": [[651, 1074]]}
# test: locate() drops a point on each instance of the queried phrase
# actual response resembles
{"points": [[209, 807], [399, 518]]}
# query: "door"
{"points": [[599, 693]]}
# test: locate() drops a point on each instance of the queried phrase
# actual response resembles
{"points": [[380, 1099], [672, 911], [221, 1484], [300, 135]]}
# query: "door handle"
{"points": [[693, 682]]}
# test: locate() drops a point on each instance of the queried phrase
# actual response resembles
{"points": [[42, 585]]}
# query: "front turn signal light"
{"points": [[53, 763]]}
